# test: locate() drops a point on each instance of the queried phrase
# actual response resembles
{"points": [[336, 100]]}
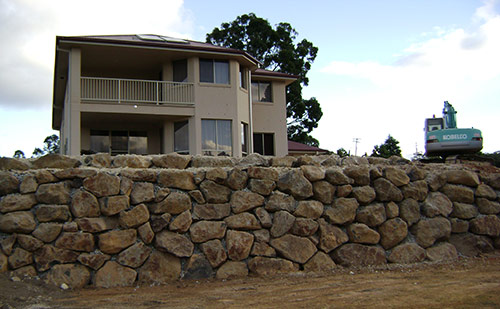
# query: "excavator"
{"points": [[443, 138]]}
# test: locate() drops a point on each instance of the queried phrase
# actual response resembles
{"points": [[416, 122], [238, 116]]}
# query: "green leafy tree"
{"points": [[51, 144], [341, 152], [387, 149], [19, 154], [276, 49]]}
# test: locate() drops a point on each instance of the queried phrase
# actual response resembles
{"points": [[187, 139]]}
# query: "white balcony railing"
{"points": [[136, 91]]}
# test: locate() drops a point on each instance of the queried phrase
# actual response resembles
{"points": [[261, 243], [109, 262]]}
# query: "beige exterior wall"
{"points": [[211, 101]]}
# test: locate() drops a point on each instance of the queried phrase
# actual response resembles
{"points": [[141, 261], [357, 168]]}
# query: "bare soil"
{"points": [[465, 283]]}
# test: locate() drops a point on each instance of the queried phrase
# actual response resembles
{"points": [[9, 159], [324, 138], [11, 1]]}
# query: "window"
{"points": [[181, 137], [118, 142], [214, 71], [243, 78], [263, 143], [244, 138], [216, 137], [262, 92], [180, 71]]}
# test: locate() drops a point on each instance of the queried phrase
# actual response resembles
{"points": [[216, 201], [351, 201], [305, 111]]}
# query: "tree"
{"points": [[341, 152], [19, 154], [387, 149], [277, 51], [51, 144]]}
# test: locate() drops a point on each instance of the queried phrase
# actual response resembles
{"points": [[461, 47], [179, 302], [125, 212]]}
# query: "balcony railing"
{"points": [[117, 90]]}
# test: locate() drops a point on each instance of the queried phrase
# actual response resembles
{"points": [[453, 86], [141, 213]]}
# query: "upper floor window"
{"points": [[262, 91], [180, 71], [243, 78], [214, 71]]}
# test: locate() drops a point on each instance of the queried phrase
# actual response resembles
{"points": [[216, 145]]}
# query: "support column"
{"points": [[168, 137], [74, 144]]}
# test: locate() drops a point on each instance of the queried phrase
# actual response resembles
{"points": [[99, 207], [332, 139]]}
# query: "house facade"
{"points": [[150, 94]]}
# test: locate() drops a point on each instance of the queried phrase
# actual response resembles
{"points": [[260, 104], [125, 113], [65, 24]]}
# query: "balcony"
{"points": [[115, 90]]}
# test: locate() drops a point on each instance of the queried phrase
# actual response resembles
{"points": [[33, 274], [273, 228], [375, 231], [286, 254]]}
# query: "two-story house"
{"points": [[151, 94]]}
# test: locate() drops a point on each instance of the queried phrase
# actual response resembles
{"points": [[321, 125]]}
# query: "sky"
{"points": [[382, 67]]}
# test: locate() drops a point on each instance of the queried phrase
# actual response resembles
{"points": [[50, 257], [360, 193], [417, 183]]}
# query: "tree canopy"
{"points": [[276, 49], [387, 149], [51, 144]]}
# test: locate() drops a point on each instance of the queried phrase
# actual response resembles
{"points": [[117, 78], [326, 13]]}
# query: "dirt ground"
{"points": [[466, 283]]}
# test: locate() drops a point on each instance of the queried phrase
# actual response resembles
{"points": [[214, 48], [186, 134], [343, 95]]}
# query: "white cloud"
{"points": [[457, 65]]}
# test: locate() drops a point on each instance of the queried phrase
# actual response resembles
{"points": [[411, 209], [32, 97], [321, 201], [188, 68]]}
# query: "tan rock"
{"points": [[280, 201], [261, 186], [304, 227], [407, 253], [160, 268], [46, 213], [397, 176], [359, 255], [142, 192], [264, 217], [215, 252], [102, 184], [4, 263], [47, 232], [263, 173], [134, 217], [237, 179], [55, 161], [97, 225], [182, 222], [7, 243], [264, 266], [133, 161], [282, 223], [437, 204], [70, 173], [458, 193], [84, 204], [203, 231], [487, 207], [197, 267], [45, 176], [320, 263], [215, 193], [372, 215], [243, 201], [309, 209], [464, 211], [98, 160], [286, 161], [409, 210], [313, 173], [197, 196], [112, 205], [175, 203], [344, 191], [146, 233], [443, 251], [177, 244], [462, 177], [417, 190], [93, 260], [323, 191], [20, 258], [330, 236], [343, 211], [293, 182], [115, 241], [113, 274], [135, 174], [459, 226], [294, 248], [391, 210], [53, 193], [428, 231], [126, 186], [361, 233], [232, 270], [13, 164], [488, 225], [242, 221], [468, 244], [172, 160], [387, 191], [17, 202], [262, 249], [28, 184], [17, 222], [158, 223], [76, 241], [211, 211], [392, 232], [217, 175], [73, 275], [360, 174], [484, 191], [262, 235], [135, 255], [28, 242], [48, 255], [179, 179], [238, 244]]}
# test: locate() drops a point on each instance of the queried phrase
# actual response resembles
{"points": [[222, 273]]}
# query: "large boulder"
{"points": [[97, 225], [428, 231], [358, 255], [293, 182], [238, 244], [160, 268], [203, 231], [48, 255], [280, 201], [55, 161], [73, 275], [8, 183], [282, 223], [53, 193], [387, 191], [113, 274], [372, 215], [443, 251], [459, 193], [294, 248], [487, 225], [102, 184], [134, 217], [343, 210], [47, 213], [392, 232], [397, 176], [17, 222], [115, 241], [361, 233], [215, 252], [416, 190], [231, 270], [135, 255], [320, 262], [330, 236], [462, 177], [437, 204], [17, 202], [177, 244], [409, 210], [243, 221], [265, 266], [211, 211], [214, 192], [84, 204], [471, 245], [198, 267], [487, 207], [323, 191], [179, 179], [407, 253], [309, 209], [76, 241], [243, 201], [171, 160]]}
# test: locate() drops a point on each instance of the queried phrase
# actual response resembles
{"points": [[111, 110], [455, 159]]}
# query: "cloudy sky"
{"points": [[382, 67]]}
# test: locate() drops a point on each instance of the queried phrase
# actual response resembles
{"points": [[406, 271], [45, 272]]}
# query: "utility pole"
{"points": [[356, 140]]}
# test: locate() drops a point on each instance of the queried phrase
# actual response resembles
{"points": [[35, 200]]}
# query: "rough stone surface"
{"points": [[48, 255], [262, 249], [320, 263], [28, 185], [387, 191], [7, 243], [313, 173], [142, 192], [458, 193], [464, 211], [17, 202], [84, 204], [294, 248], [17, 222], [282, 223], [175, 203], [427, 231], [462, 177], [215, 193], [361, 233], [488, 225], [487, 207], [96, 225], [8, 183], [323, 191], [211, 211], [242, 221], [177, 244], [436, 180], [215, 252], [360, 174], [485, 191], [437, 204], [293, 182], [443, 251], [198, 267], [55, 161], [76, 241], [171, 160], [471, 245], [160, 268], [262, 186], [280, 201], [304, 227], [73, 275], [263, 173], [182, 222], [135, 255], [409, 210], [53, 193], [46, 213], [115, 241], [179, 179], [28, 242], [358, 255], [20, 258], [264, 217], [112, 205], [13, 164], [133, 161], [392, 232], [330, 236], [417, 190], [102, 184], [134, 217], [243, 200], [407, 253], [391, 210], [93, 260], [372, 215], [232, 270], [459, 226], [203, 231], [343, 211], [309, 209], [113, 274], [237, 179], [264, 266], [238, 244], [146, 233], [364, 195], [47, 232], [336, 177]]}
